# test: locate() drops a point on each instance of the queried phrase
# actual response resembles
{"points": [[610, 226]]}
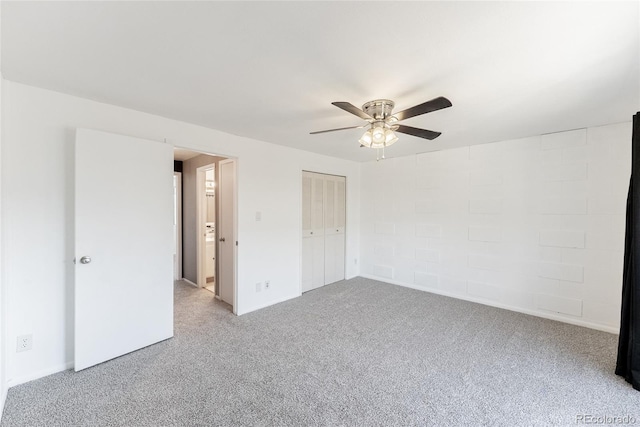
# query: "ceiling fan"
{"points": [[382, 123]]}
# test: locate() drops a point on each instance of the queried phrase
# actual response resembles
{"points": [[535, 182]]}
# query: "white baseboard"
{"points": [[268, 304], [3, 399], [536, 313], [12, 382]]}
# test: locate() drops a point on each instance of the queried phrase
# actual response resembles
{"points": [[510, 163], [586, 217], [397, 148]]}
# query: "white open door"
{"points": [[334, 227], [226, 231], [123, 245]]}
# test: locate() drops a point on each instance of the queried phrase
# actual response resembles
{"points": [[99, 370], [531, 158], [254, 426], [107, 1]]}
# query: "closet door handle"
{"points": [[222, 239]]}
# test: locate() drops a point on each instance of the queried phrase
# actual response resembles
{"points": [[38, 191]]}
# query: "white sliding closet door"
{"points": [[307, 243], [312, 231], [323, 229], [334, 220]]}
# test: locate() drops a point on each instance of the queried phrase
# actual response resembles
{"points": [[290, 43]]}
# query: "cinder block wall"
{"points": [[534, 225]]}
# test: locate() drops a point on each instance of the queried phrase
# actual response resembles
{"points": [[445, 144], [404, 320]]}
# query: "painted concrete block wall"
{"points": [[37, 213], [534, 225]]}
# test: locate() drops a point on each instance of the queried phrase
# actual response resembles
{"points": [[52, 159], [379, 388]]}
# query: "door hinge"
{"points": [[236, 243]]}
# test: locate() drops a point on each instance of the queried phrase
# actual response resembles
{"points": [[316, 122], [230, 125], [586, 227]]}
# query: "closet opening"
{"points": [[323, 229]]}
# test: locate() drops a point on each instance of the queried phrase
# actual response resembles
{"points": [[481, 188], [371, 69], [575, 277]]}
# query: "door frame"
{"points": [[234, 216], [201, 229]]}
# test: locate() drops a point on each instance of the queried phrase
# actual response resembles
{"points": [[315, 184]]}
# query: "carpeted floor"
{"points": [[357, 352]]}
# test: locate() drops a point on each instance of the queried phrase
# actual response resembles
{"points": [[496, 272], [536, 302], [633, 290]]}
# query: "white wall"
{"points": [[534, 225], [3, 334], [37, 213]]}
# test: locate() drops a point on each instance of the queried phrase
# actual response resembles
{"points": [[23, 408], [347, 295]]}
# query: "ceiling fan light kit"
{"points": [[382, 123]]}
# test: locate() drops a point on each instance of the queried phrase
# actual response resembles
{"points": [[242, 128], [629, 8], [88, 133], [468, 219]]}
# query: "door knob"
{"points": [[85, 260], [222, 239]]}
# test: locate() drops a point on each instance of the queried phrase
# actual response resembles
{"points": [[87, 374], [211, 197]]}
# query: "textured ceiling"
{"points": [[269, 70]]}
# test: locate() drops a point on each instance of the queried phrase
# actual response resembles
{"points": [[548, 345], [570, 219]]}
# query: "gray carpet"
{"points": [[357, 352]]}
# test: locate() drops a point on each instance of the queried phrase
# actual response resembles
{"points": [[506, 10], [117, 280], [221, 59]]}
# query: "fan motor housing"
{"points": [[379, 109]]}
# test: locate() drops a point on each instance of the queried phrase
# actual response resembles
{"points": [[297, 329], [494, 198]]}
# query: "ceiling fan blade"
{"points": [[333, 130], [353, 110], [421, 133], [426, 107]]}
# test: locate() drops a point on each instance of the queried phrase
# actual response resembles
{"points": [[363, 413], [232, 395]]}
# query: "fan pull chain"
{"points": [[378, 157]]}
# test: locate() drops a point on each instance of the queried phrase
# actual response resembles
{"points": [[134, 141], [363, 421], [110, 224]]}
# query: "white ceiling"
{"points": [[269, 70]]}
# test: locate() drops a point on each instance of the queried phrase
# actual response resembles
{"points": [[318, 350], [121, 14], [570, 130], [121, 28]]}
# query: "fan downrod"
{"points": [[379, 109]]}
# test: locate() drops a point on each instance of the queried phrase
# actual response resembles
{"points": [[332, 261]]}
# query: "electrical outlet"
{"points": [[267, 284], [24, 343], [355, 261], [258, 287]]}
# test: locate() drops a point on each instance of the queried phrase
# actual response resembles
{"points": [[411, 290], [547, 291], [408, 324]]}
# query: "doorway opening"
{"points": [[208, 223]]}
